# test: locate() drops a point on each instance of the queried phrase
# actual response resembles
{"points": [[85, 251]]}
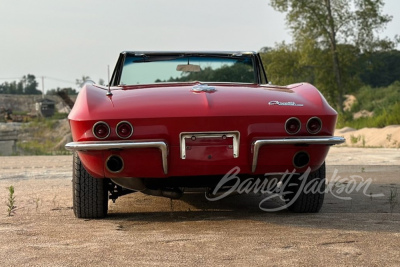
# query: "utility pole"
{"points": [[42, 87]]}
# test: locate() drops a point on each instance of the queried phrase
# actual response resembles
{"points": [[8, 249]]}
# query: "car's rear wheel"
{"points": [[308, 195], [90, 195]]}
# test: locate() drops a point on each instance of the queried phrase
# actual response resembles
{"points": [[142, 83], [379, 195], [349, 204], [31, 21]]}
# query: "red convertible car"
{"points": [[172, 121]]}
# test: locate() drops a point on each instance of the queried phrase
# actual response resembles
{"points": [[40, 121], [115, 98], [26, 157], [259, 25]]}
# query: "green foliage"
{"points": [[330, 36], [330, 22], [355, 139], [36, 147], [306, 62], [288, 63], [81, 82], [42, 142], [31, 85], [19, 112], [11, 201], [377, 99], [43, 124], [284, 65], [380, 68], [27, 85], [384, 102], [238, 72], [69, 91], [59, 116]]}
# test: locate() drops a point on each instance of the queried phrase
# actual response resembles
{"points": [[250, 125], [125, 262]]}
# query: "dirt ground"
{"points": [[151, 231]]}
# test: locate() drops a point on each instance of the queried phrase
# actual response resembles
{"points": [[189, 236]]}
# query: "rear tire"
{"points": [[90, 195], [310, 201]]}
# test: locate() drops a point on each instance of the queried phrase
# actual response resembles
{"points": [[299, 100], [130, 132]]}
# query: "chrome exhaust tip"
{"points": [[301, 159], [114, 164]]}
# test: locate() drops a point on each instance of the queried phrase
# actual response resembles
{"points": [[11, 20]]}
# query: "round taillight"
{"points": [[314, 125], [101, 130], [293, 125], [124, 129]]}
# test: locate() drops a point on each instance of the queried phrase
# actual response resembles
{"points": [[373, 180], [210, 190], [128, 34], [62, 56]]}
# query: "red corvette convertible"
{"points": [[172, 121]]}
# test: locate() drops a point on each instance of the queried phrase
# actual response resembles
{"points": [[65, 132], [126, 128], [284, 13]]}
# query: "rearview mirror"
{"points": [[188, 68]]}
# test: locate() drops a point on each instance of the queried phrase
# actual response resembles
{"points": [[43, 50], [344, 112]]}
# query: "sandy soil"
{"points": [[388, 137], [152, 231]]}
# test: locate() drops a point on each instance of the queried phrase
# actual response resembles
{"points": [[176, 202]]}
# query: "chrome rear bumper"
{"points": [[163, 147], [323, 140], [115, 145]]}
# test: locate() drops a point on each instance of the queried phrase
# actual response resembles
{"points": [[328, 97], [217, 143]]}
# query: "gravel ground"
{"points": [[151, 231]]}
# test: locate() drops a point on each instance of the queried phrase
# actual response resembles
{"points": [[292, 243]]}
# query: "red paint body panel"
{"points": [[163, 111]]}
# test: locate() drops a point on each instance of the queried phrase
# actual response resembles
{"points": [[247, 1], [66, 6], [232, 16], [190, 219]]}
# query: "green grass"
{"points": [[41, 143], [59, 116], [20, 113], [36, 147]]}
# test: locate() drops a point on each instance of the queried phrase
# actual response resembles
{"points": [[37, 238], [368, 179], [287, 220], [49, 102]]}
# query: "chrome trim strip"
{"points": [[234, 134], [110, 145], [323, 140]]}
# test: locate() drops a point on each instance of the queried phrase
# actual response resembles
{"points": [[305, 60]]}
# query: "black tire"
{"points": [[310, 201], [90, 195]]}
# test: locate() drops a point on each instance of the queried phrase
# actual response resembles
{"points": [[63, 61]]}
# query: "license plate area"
{"points": [[209, 145]]}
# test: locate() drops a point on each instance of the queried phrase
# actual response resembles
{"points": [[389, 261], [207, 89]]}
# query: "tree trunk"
{"points": [[335, 57]]}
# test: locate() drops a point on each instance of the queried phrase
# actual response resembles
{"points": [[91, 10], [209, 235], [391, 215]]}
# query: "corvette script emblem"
{"points": [[273, 103]]}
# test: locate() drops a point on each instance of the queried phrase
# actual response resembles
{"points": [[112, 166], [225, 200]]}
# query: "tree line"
{"points": [[288, 63], [29, 86]]}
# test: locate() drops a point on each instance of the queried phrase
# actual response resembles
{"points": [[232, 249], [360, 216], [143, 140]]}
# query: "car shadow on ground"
{"points": [[358, 213]]}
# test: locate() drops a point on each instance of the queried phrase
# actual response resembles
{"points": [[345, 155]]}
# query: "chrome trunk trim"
{"points": [[323, 140], [234, 134], [111, 145]]}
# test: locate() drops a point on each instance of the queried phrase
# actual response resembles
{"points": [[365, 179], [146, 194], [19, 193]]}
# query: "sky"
{"points": [[64, 40]]}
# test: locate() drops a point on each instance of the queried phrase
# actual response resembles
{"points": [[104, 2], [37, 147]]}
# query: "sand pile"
{"points": [[388, 137]]}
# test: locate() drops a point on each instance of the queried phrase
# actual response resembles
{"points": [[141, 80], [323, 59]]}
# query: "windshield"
{"points": [[148, 69]]}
